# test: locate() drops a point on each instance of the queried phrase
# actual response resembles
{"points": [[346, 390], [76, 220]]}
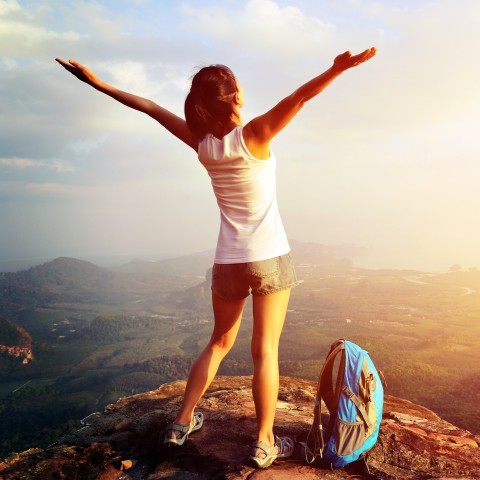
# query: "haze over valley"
{"points": [[86, 335]]}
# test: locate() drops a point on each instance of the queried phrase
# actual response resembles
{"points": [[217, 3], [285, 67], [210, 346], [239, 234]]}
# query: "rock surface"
{"points": [[414, 443]]}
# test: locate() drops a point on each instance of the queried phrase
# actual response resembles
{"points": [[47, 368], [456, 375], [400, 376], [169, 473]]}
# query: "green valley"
{"points": [[99, 334]]}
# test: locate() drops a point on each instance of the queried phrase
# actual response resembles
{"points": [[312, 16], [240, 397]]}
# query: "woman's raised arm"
{"points": [[174, 124], [260, 130]]}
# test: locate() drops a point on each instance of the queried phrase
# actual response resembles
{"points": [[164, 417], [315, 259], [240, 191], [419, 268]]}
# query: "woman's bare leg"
{"points": [[268, 317], [227, 317]]}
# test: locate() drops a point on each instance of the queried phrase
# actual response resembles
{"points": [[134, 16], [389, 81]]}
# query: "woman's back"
{"points": [[251, 228]]}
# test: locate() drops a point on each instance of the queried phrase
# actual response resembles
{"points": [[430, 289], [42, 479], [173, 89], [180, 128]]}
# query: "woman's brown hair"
{"points": [[209, 106]]}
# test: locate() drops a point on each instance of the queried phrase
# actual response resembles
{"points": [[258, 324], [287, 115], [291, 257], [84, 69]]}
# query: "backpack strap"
{"points": [[316, 438], [357, 401], [326, 390], [313, 445]]}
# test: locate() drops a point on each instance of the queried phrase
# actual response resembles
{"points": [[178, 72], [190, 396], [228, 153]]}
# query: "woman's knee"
{"points": [[222, 343], [264, 352]]}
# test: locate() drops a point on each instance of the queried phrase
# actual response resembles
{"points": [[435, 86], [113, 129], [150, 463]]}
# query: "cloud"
{"points": [[23, 33], [54, 193], [50, 188], [24, 163], [261, 26]]}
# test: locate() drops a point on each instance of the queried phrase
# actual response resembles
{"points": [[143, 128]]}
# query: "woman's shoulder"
{"points": [[258, 149]]}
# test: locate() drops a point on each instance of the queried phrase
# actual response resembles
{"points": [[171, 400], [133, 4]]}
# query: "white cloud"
{"points": [[50, 188], [22, 33], [9, 6], [24, 163], [261, 26], [18, 162], [8, 64]]}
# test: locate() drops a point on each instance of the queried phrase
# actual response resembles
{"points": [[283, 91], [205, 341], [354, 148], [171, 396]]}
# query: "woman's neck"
{"points": [[237, 122]]}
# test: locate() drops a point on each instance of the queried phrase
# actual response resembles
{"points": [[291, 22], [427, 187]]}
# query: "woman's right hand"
{"points": [[79, 71]]}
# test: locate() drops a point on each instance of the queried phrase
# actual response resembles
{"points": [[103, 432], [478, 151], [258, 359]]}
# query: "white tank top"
{"points": [[250, 225]]}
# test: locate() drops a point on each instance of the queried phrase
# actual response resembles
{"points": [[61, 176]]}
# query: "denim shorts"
{"points": [[237, 280]]}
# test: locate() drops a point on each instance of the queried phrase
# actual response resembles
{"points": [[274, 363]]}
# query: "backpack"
{"points": [[352, 391]]}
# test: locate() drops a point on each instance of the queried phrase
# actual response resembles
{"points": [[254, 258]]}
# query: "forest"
{"points": [[98, 335]]}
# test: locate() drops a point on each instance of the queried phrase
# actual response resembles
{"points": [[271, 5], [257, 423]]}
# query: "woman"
{"points": [[253, 254]]}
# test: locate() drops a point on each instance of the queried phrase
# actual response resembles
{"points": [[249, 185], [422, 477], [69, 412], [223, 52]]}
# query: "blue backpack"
{"points": [[351, 389]]}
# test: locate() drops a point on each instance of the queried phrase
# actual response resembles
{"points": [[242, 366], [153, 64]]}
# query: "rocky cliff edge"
{"points": [[122, 442]]}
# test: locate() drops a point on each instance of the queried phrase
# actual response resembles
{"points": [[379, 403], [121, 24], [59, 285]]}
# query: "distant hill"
{"points": [[78, 281], [197, 264], [67, 280], [325, 255], [190, 266]]}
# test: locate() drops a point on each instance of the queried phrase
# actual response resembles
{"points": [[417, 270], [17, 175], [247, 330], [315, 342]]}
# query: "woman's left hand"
{"points": [[346, 60]]}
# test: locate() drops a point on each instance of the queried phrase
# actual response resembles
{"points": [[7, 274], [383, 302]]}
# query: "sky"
{"points": [[386, 158]]}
